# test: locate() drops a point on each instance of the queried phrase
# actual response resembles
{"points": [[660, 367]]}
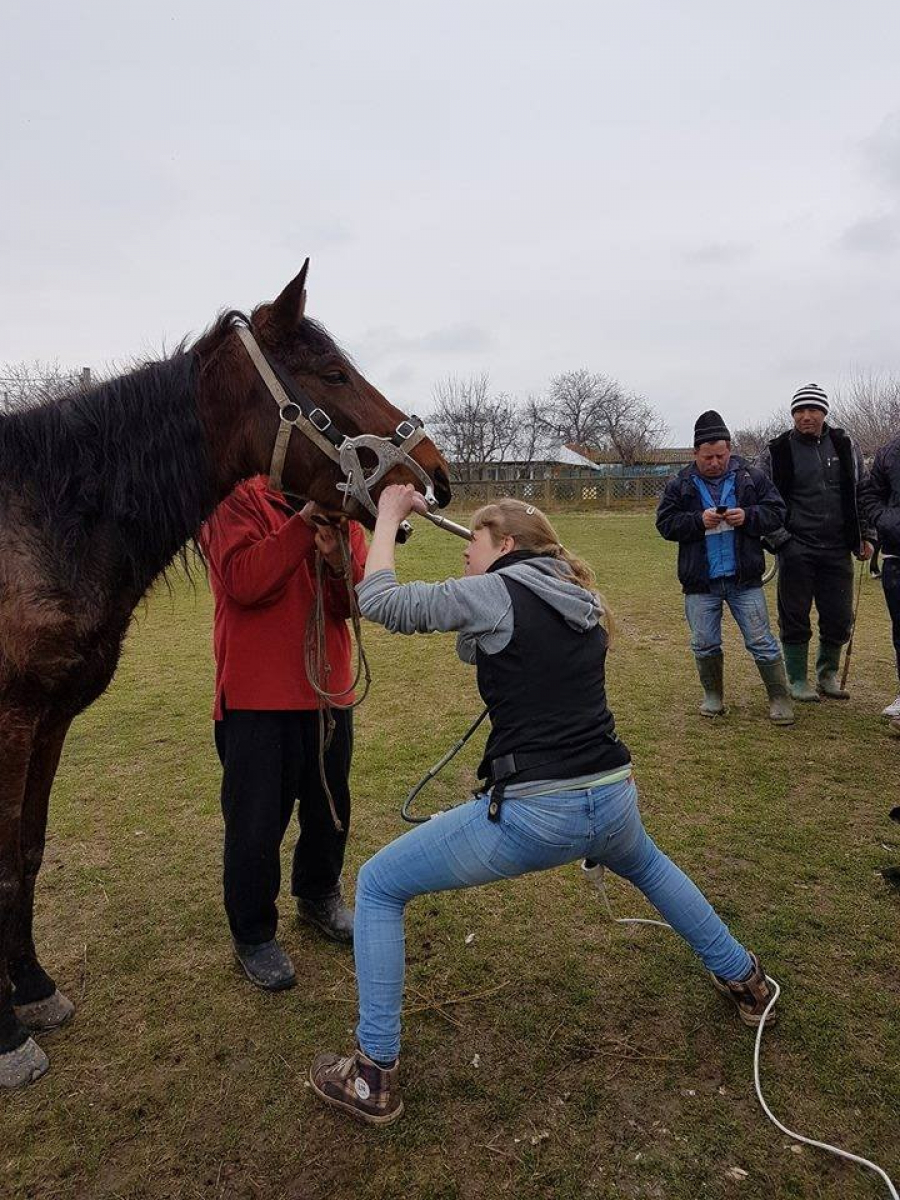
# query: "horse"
{"points": [[101, 492]]}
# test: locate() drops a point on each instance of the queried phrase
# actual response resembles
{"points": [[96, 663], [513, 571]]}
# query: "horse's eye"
{"points": [[335, 377]]}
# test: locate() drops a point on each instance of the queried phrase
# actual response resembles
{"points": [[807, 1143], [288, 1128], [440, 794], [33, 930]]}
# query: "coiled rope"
{"points": [[315, 658]]}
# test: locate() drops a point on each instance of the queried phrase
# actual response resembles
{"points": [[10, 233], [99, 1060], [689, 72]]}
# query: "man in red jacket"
{"points": [[261, 555]]}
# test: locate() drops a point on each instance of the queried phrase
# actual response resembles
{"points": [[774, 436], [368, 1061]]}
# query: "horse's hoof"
{"points": [[24, 1065], [44, 1015]]}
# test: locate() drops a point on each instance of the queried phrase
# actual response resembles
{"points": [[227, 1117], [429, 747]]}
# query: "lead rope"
{"points": [[593, 872], [315, 659]]}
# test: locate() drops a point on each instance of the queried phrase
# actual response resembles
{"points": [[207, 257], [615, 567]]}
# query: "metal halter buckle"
{"points": [[406, 429], [320, 419]]}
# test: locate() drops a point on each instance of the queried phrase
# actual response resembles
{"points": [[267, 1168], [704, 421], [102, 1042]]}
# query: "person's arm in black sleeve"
{"points": [[673, 521], [769, 512]]}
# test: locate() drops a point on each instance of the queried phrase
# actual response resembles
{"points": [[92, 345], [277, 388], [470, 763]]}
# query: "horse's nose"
{"points": [[442, 490]]}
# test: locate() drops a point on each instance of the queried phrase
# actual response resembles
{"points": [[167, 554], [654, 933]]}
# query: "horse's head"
{"points": [[314, 371]]}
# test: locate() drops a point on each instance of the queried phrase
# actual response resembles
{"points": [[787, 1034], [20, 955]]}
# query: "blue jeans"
{"points": [[462, 848], [748, 607]]}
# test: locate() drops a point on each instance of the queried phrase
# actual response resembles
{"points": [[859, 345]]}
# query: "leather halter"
{"points": [[297, 411]]}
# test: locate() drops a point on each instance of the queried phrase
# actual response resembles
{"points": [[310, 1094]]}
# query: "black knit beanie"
{"points": [[710, 428]]}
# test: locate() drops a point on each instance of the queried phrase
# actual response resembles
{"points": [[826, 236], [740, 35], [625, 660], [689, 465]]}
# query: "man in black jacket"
{"points": [[818, 470], [880, 500], [716, 510]]}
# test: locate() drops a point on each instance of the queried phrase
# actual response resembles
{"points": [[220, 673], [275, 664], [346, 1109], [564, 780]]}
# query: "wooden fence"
{"points": [[605, 491]]}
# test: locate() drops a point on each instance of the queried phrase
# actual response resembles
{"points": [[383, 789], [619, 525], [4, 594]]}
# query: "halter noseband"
{"points": [[297, 411]]}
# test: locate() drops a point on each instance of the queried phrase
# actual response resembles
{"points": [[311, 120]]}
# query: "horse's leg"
{"points": [[38, 1004], [21, 1059]]}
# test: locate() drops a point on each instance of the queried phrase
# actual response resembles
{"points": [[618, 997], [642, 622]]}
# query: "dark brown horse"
{"points": [[99, 492]]}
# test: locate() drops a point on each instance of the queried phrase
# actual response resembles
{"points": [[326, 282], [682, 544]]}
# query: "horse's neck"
{"points": [[226, 404], [142, 477]]}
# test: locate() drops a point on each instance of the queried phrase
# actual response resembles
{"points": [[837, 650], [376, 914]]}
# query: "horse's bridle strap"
{"points": [[287, 424]]}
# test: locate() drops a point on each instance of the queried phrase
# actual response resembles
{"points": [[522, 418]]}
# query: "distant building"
{"points": [[561, 462], [571, 461]]}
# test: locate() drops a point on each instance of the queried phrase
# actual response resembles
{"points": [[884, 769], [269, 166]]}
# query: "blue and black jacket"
{"points": [[679, 518]]}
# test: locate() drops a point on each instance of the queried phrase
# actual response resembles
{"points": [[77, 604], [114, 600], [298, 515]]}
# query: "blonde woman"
{"points": [[557, 780]]}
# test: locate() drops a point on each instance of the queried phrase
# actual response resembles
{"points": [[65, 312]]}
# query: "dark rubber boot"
{"points": [[329, 914], [266, 965], [796, 663], [781, 711], [711, 669], [827, 666]]}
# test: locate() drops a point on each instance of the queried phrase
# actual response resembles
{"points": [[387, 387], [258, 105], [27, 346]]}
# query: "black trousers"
{"points": [[270, 762], [890, 581], [807, 574]]}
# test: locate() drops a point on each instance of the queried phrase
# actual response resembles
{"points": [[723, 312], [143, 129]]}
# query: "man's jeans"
{"points": [[462, 848], [748, 607], [890, 581]]}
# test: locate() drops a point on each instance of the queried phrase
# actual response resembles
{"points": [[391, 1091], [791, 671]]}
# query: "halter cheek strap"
{"points": [[292, 415]]}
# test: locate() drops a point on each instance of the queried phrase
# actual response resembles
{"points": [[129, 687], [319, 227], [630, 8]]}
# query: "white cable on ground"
{"points": [[594, 875]]}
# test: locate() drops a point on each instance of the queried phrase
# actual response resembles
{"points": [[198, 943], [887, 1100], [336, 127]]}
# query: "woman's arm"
{"points": [[476, 605]]}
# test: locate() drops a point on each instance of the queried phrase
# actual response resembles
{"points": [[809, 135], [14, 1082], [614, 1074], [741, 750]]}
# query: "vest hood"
{"points": [[580, 608]]}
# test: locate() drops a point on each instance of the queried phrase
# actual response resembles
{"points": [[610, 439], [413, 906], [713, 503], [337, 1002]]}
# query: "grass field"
{"points": [[601, 1064]]}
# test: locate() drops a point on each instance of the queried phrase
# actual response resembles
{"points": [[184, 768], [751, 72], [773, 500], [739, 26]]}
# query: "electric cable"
{"points": [[594, 875]]}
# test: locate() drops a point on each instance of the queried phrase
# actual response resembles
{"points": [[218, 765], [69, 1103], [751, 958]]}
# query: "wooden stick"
{"points": [[862, 568]]}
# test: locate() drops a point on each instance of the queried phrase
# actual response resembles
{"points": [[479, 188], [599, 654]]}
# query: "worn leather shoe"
{"points": [[266, 965], [329, 914], [359, 1086], [751, 997]]}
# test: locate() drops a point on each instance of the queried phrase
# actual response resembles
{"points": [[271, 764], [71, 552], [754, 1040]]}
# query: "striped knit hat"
{"points": [[809, 396]]}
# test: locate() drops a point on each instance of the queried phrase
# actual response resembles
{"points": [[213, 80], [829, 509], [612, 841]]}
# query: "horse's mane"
{"points": [[126, 458], [129, 456]]}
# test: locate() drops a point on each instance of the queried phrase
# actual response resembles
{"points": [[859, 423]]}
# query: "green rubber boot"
{"points": [[796, 657], [781, 711], [711, 670], [827, 666]]}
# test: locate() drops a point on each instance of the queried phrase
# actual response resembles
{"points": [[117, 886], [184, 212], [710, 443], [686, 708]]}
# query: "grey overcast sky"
{"points": [[701, 199]]}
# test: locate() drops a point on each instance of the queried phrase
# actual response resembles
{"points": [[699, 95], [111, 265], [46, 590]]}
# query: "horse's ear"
{"points": [[287, 310]]}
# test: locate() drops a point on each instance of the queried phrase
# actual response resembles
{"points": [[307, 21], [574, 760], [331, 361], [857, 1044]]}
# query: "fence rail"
{"points": [[608, 491]]}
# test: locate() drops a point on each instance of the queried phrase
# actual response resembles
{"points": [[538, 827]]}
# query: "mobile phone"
{"points": [[721, 509]]}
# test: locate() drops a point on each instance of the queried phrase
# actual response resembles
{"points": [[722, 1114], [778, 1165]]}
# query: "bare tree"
{"points": [[629, 425], [595, 412], [24, 384], [471, 426], [750, 441], [868, 407], [572, 405], [534, 432]]}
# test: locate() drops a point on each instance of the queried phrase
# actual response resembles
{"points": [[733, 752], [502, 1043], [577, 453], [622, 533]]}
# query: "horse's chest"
{"points": [[58, 650]]}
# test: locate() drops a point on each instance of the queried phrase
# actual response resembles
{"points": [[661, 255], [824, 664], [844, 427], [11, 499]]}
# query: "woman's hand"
{"points": [[398, 500], [395, 504]]}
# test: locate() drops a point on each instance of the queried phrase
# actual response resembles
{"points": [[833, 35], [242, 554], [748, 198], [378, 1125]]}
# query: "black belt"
{"points": [[506, 767]]}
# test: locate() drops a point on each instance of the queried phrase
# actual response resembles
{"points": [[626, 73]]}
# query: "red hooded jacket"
{"points": [[261, 557]]}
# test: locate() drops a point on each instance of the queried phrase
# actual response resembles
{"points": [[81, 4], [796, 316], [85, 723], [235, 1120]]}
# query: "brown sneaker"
{"points": [[751, 996], [359, 1086]]}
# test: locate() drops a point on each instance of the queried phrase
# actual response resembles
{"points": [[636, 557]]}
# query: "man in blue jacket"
{"points": [[717, 510]]}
